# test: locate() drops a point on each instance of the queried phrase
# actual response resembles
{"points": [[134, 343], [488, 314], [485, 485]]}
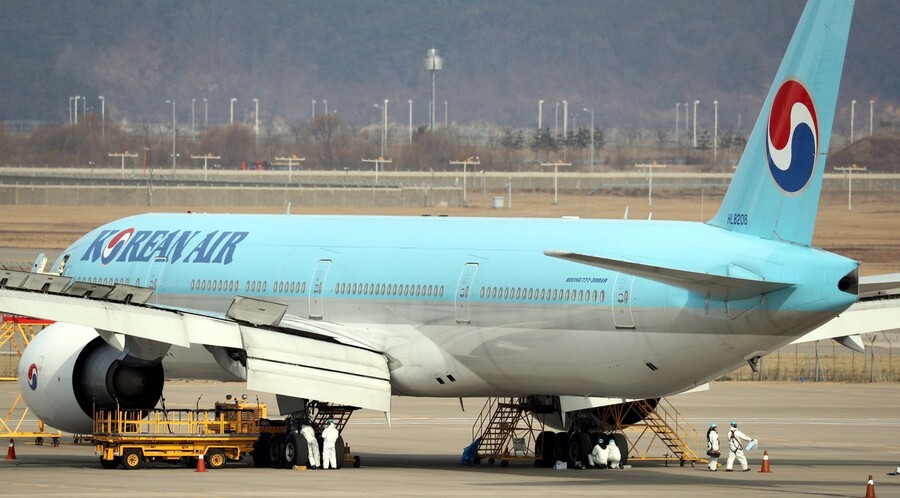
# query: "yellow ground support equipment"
{"points": [[16, 332], [132, 437]]}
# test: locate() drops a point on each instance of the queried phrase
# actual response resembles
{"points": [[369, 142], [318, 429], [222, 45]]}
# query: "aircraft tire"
{"points": [[559, 446], [276, 451], [622, 443], [543, 448], [579, 445], [261, 451]]}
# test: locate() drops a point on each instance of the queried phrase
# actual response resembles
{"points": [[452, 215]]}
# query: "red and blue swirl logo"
{"points": [[115, 245], [793, 137], [32, 377]]}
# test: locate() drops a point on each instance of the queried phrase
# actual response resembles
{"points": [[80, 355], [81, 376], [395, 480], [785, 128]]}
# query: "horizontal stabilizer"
{"points": [[879, 285], [722, 287], [863, 317]]}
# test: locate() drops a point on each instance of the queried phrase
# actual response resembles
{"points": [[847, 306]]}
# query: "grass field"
{"points": [[870, 233]]}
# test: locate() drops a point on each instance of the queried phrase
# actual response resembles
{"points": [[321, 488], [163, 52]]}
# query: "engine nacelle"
{"points": [[68, 370]]}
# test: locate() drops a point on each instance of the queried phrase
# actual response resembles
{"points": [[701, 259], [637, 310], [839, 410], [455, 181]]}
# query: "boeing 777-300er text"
{"points": [[357, 309]]}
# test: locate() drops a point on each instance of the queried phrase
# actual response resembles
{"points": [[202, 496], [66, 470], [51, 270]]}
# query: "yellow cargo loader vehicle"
{"points": [[228, 432]]}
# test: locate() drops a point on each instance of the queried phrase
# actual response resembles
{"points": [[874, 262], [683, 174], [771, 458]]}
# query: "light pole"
{"points": [[193, 128], [556, 122], [70, 109], [687, 120], [325, 103], [556, 165], [410, 121], [433, 63], [591, 110], [231, 113], [716, 131], [849, 170], [871, 119], [445, 114], [472, 160], [696, 102], [256, 119], [76, 108], [852, 117], [313, 115], [677, 113], [540, 115], [205, 114], [174, 134], [384, 126], [103, 117], [565, 119]]}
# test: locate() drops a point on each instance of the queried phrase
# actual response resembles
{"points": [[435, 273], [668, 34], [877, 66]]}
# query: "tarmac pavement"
{"points": [[822, 440]]}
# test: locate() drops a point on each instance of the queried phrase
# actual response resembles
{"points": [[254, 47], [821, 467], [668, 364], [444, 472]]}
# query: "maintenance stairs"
{"points": [[319, 412], [655, 430], [506, 427], [15, 333], [659, 422]]}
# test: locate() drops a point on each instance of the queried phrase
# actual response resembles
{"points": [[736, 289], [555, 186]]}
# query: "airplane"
{"points": [[357, 309]]}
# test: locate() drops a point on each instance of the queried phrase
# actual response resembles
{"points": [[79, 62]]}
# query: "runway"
{"points": [[822, 440]]}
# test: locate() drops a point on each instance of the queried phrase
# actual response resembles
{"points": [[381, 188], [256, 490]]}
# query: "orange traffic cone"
{"points": [[201, 465], [765, 465], [870, 488], [11, 452]]}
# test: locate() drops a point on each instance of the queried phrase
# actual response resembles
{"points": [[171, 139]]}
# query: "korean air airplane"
{"points": [[357, 309]]}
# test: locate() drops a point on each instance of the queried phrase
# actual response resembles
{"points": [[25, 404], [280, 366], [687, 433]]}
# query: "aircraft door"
{"points": [[463, 291], [154, 275], [317, 288], [621, 301]]}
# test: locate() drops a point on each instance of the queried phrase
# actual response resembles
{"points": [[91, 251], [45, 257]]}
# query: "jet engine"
{"points": [[69, 370]]}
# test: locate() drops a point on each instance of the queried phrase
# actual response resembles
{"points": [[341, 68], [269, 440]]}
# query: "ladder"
{"points": [[506, 428], [319, 412], [14, 329], [662, 421]]}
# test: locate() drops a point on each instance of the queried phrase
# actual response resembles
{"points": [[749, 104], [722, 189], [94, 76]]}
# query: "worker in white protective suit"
{"points": [[312, 446], [615, 456], [736, 440], [598, 457], [329, 437], [712, 447]]}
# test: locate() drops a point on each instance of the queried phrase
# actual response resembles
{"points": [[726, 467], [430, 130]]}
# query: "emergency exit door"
{"points": [[463, 291], [317, 289], [621, 302]]}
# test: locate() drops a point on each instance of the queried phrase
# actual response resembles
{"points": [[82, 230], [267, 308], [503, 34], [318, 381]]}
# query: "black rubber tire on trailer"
{"points": [[560, 446], [215, 459], [110, 464], [276, 451], [261, 452], [132, 458], [622, 443], [543, 449], [356, 462], [579, 445]]}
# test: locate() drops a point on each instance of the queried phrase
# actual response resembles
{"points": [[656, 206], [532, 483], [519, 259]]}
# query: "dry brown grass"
{"points": [[870, 233]]}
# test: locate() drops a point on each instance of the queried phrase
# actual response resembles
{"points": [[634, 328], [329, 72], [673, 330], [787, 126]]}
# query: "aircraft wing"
{"points": [[737, 284], [278, 360]]}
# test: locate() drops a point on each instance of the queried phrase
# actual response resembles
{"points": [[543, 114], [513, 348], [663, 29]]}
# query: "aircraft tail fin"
{"points": [[775, 190]]}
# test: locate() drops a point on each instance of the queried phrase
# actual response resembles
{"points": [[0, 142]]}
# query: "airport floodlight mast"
{"points": [[677, 114], [849, 170], [433, 63], [650, 167], [291, 160], [122, 155], [540, 116], [475, 161], [193, 129], [76, 108], [694, 140], [871, 108], [231, 114], [206, 157], [256, 119], [313, 115], [103, 117], [205, 114], [410, 121], [174, 135], [591, 110], [852, 118], [556, 165], [716, 131]]}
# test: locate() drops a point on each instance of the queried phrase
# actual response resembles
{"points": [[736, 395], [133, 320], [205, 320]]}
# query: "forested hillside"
{"points": [[631, 61]]}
